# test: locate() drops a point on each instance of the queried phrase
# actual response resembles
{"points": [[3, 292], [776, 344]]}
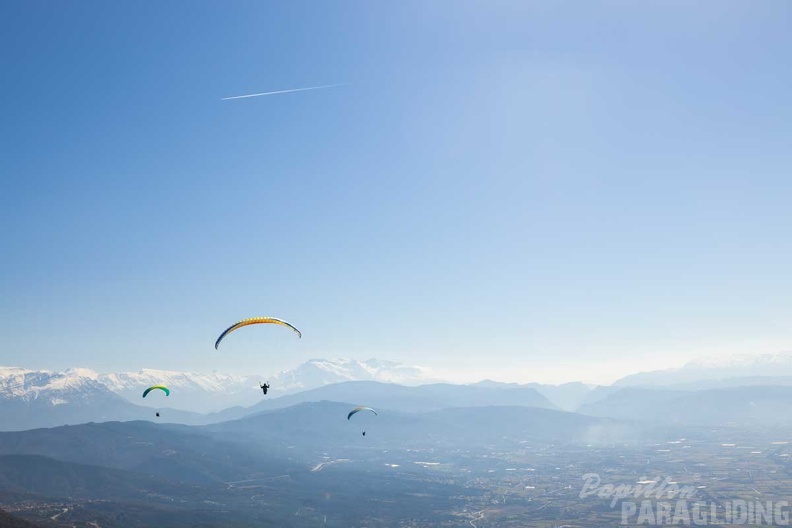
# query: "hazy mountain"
{"points": [[221, 452], [567, 396], [30, 399], [596, 394], [632, 403], [300, 465], [749, 406], [325, 424], [177, 453], [114, 475], [742, 381], [714, 368], [422, 398]]}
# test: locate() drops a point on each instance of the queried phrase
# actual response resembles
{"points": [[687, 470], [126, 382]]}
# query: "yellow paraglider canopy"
{"points": [[255, 320]]}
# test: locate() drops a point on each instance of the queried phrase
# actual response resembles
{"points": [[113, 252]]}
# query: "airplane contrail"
{"points": [[283, 91]]}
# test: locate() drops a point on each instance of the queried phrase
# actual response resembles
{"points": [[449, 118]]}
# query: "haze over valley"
{"points": [[490, 453], [354, 264]]}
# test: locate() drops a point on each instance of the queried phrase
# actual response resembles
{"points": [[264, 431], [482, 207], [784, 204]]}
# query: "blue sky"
{"points": [[518, 190]]}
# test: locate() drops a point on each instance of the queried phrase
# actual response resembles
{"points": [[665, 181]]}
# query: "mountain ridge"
{"points": [[714, 368], [202, 392]]}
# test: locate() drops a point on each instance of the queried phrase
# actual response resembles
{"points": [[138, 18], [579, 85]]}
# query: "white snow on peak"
{"points": [[317, 372], [23, 384], [198, 391], [83, 373], [214, 382]]}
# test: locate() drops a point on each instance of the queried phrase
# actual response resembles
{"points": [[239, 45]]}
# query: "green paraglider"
{"points": [[163, 388]]}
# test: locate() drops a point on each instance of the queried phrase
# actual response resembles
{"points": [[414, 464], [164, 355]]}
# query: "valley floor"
{"points": [[512, 483]]}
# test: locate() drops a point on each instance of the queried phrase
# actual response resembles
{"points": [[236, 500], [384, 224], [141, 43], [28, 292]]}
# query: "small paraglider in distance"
{"points": [[357, 410], [264, 388]]}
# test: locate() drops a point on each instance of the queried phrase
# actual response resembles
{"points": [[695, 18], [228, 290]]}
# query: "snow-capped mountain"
{"points": [[319, 372], [52, 388], [193, 391], [215, 391], [778, 365], [31, 399]]}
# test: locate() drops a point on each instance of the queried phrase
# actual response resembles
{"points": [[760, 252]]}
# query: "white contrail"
{"points": [[283, 91]]}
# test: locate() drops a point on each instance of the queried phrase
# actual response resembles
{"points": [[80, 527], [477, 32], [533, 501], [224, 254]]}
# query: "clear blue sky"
{"points": [[521, 190]]}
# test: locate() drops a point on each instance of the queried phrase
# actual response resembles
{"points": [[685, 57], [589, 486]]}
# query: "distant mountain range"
{"points": [[423, 398], [742, 391], [319, 372], [30, 399], [92, 402], [323, 424], [744, 406], [297, 443], [198, 392], [718, 371], [220, 452]]}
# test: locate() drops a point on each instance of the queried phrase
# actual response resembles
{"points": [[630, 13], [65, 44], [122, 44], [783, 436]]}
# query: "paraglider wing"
{"points": [[358, 409], [163, 388], [255, 320]]}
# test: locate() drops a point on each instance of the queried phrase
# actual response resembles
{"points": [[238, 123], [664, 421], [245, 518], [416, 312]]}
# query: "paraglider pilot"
{"points": [[264, 387]]}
